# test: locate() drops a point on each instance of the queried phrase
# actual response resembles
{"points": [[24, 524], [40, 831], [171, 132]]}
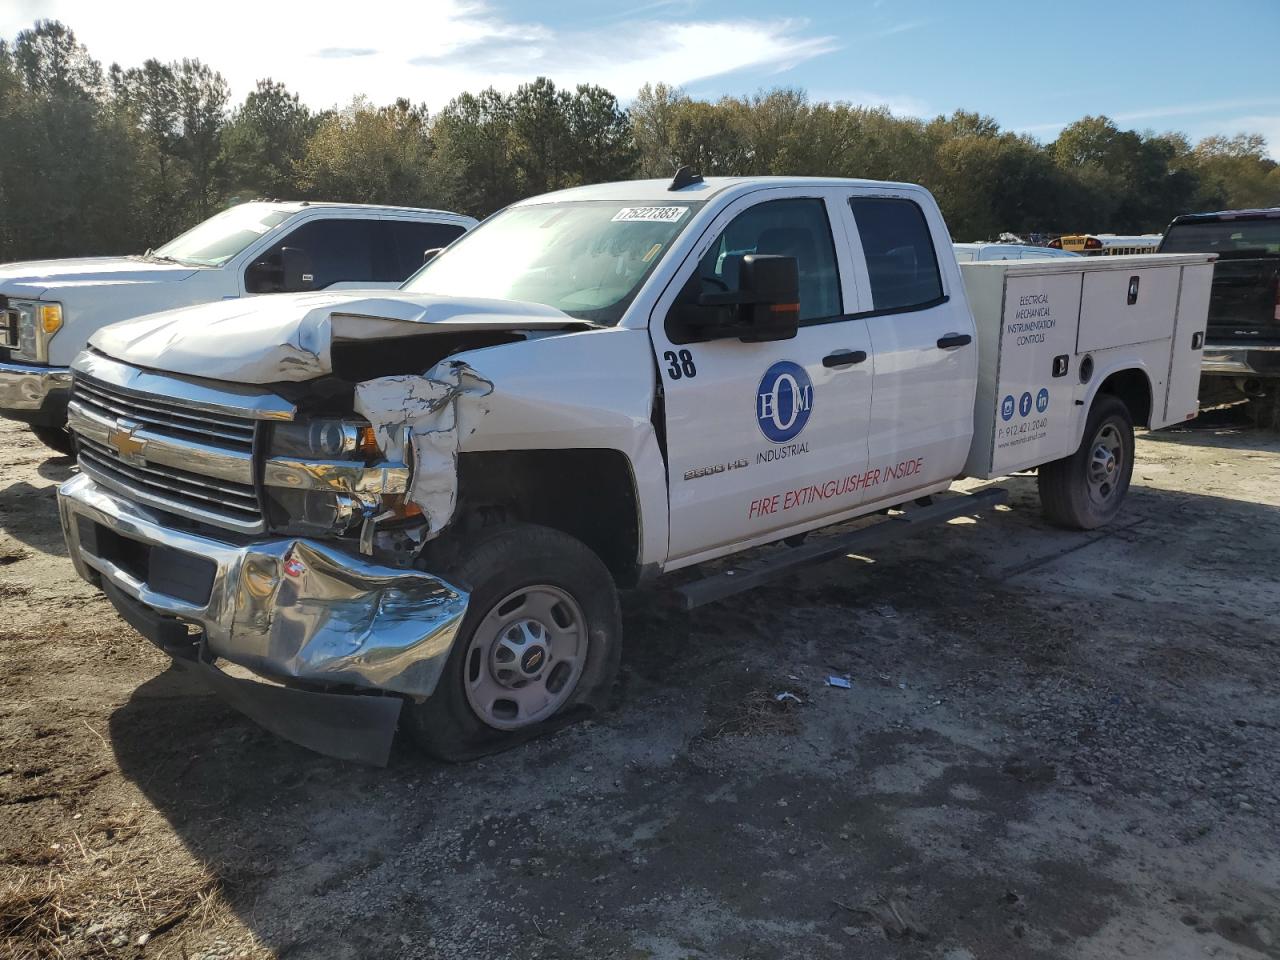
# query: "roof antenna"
{"points": [[685, 176]]}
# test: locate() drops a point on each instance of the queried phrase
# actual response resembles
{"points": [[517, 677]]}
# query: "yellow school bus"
{"points": [[1106, 244]]}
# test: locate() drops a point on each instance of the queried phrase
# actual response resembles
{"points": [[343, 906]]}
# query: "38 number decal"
{"points": [[682, 365]]}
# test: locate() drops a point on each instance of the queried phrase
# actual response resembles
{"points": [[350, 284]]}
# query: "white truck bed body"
{"points": [[1038, 321]]}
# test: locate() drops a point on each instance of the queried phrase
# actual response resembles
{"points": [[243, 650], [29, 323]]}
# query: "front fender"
{"points": [[593, 389]]}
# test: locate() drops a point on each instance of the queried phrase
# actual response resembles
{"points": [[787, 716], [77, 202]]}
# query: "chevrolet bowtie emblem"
{"points": [[121, 439]]}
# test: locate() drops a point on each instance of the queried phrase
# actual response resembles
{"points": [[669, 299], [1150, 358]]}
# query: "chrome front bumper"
{"points": [[288, 609], [28, 386]]}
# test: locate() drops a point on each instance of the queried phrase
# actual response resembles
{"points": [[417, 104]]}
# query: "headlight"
{"points": [[37, 322], [324, 438], [326, 475]]}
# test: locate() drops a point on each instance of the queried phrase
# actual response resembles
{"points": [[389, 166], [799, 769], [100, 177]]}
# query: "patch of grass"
{"points": [[90, 893]]}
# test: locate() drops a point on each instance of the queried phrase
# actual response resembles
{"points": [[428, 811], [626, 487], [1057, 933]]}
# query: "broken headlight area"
{"points": [[326, 438], [326, 476]]}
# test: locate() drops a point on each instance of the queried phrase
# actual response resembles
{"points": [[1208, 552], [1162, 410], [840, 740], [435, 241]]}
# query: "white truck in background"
{"points": [[418, 507], [50, 308]]}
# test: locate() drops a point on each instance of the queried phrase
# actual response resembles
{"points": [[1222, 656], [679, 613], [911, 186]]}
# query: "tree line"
{"points": [[115, 160]]}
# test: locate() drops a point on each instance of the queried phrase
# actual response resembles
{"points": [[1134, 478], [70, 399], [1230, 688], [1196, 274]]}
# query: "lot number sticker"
{"points": [[650, 214]]}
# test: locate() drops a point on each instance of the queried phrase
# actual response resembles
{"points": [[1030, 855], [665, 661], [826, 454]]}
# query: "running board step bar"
{"points": [[750, 575]]}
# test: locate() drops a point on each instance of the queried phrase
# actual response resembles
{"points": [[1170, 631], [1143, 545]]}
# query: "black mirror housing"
{"points": [[765, 307], [772, 284]]}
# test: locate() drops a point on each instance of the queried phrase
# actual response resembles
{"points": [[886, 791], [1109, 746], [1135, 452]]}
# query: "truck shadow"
{"points": [[1227, 427], [34, 513], [600, 833]]}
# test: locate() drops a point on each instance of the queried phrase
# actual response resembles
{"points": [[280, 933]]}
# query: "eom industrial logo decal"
{"points": [[784, 401]]}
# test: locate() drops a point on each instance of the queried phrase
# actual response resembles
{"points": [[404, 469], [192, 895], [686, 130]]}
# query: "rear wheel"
{"points": [[1085, 490], [55, 438], [539, 645], [1265, 410]]}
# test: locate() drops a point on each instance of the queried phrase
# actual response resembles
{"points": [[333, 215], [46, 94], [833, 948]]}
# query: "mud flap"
{"points": [[341, 725]]}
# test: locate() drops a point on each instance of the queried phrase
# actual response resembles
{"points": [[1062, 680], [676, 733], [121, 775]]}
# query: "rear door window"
{"points": [[901, 263], [413, 238]]}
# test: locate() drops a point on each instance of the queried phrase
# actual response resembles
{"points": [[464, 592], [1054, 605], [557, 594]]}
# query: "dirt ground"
{"points": [[1054, 745]]}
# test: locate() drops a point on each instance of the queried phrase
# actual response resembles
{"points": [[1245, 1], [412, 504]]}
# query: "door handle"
{"points": [[954, 340], [844, 358]]}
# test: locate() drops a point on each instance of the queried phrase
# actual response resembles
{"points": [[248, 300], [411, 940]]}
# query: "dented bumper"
{"points": [[288, 609]]}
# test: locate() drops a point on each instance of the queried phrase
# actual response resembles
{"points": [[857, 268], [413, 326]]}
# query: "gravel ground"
{"points": [[1054, 745]]}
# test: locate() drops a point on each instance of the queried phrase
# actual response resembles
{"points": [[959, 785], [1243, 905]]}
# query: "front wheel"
{"points": [[539, 646], [1084, 491]]}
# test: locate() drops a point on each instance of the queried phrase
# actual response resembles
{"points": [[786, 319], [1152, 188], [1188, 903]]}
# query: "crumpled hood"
{"points": [[36, 278], [287, 337]]}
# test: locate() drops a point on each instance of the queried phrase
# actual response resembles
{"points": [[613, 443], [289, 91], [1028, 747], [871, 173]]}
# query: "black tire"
{"points": [[55, 438], [492, 566], [1067, 495], [1265, 411]]}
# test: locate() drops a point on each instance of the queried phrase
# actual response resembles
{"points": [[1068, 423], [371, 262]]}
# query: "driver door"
{"points": [[763, 437]]}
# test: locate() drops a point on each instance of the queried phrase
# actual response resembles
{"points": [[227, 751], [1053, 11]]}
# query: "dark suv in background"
{"points": [[1242, 340]]}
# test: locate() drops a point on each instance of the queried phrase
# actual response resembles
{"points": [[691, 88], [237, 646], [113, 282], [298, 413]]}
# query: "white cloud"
{"points": [[329, 51], [1211, 120]]}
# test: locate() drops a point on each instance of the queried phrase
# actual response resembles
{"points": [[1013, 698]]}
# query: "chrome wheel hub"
{"points": [[525, 657], [520, 654], [1105, 463]]}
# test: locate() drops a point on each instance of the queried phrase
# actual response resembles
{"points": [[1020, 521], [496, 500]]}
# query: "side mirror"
{"points": [[430, 254], [295, 265], [771, 288], [765, 307], [262, 276]]}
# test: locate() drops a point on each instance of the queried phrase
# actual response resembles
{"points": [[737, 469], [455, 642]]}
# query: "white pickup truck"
{"points": [[417, 508], [49, 308]]}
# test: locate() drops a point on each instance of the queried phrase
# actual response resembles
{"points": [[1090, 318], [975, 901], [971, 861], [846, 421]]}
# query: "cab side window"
{"points": [[793, 228], [901, 262], [336, 250]]}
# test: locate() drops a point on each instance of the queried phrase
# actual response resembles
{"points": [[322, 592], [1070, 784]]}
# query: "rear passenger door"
{"points": [[923, 345]]}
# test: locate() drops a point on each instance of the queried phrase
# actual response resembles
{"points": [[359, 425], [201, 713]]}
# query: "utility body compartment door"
{"points": [[1036, 417], [764, 438], [1194, 294], [1120, 307]]}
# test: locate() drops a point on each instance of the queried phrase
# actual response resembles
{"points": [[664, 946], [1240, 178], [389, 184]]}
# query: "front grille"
{"points": [[223, 502], [163, 416]]}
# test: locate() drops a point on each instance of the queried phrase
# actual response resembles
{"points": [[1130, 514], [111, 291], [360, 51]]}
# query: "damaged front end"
{"points": [[235, 531], [306, 617], [272, 519]]}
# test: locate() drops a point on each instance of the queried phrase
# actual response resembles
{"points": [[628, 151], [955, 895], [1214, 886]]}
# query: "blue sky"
{"points": [[1177, 65]]}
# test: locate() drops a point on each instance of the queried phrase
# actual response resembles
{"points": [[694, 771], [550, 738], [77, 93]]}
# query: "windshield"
{"points": [[587, 258], [221, 237], [1224, 237]]}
